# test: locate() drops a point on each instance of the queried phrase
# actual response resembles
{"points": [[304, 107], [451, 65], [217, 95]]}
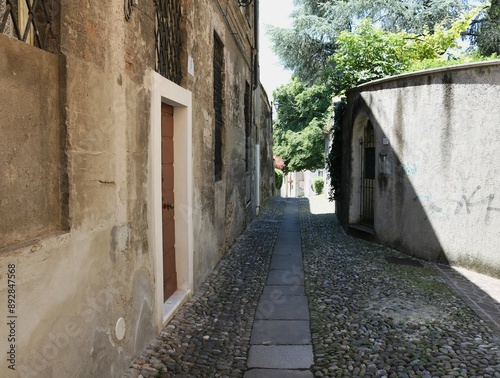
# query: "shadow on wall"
{"points": [[423, 180], [380, 185], [327, 249]]}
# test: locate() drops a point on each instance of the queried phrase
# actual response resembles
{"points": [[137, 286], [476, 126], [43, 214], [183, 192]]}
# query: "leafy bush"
{"points": [[318, 185], [334, 159], [370, 53], [438, 63], [278, 178]]}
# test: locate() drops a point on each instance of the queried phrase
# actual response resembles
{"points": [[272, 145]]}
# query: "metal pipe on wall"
{"points": [[257, 179]]}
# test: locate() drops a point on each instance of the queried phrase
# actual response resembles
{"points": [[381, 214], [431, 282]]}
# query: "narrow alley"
{"points": [[310, 301]]}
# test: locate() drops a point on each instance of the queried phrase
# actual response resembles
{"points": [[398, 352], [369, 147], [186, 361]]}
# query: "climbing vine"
{"points": [[334, 159]]}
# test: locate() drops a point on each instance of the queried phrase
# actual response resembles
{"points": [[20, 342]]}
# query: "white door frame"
{"points": [[165, 91]]}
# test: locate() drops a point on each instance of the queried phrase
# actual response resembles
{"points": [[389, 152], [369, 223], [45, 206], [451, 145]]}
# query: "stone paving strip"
{"points": [[370, 314], [281, 338], [480, 292]]}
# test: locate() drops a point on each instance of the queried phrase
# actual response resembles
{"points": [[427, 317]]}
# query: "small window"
{"points": [[33, 22], [168, 39]]}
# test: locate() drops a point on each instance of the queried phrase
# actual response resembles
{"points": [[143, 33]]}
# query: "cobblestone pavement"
{"points": [[368, 317], [210, 335], [376, 319]]}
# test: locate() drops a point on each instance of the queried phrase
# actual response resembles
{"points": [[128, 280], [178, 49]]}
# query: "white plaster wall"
{"points": [[438, 191]]}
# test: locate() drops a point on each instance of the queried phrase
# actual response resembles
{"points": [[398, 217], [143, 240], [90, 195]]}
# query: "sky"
{"points": [[272, 74]]}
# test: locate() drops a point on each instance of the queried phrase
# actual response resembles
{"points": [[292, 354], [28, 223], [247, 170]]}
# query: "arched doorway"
{"points": [[367, 179]]}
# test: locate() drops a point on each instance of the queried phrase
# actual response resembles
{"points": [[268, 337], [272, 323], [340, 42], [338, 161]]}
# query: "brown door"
{"points": [[167, 188]]}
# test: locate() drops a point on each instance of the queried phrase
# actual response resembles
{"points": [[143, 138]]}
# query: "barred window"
{"points": [[168, 39], [218, 63], [31, 21]]}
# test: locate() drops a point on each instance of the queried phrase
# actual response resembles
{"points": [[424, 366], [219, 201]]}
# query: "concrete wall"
{"points": [[80, 184], [437, 193]]}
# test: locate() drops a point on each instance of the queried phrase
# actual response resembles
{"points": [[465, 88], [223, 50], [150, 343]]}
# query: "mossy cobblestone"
{"points": [[373, 319]]}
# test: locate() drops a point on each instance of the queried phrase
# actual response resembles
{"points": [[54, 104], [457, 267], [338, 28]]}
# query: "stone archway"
{"points": [[361, 209]]}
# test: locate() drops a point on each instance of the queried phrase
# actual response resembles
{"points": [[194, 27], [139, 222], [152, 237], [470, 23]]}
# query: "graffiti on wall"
{"points": [[410, 169], [468, 202], [475, 201]]}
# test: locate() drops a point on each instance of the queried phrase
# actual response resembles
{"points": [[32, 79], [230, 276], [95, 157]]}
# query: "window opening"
{"points": [[168, 39], [218, 66], [30, 21]]}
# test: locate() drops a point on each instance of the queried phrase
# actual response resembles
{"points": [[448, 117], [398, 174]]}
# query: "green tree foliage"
{"points": [[299, 104], [298, 129], [278, 178], [371, 53], [303, 49], [302, 150], [485, 30], [307, 46], [367, 54]]}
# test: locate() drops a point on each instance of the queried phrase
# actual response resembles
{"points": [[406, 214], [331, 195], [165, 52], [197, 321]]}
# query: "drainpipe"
{"points": [[256, 83], [257, 179]]}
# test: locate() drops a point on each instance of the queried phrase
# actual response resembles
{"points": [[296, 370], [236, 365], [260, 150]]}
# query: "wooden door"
{"points": [[167, 179]]}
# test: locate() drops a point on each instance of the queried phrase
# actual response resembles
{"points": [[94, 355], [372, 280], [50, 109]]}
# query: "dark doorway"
{"points": [[367, 147]]}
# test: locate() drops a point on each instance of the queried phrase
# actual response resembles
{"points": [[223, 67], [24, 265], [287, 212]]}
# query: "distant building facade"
{"points": [[300, 184]]}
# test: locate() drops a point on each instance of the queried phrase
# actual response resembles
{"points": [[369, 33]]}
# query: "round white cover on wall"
{"points": [[120, 329]]}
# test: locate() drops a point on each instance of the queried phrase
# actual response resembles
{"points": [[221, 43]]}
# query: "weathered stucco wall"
{"points": [[220, 207], [33, 202], [437, 193], [72, 287], [87, 278]]}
